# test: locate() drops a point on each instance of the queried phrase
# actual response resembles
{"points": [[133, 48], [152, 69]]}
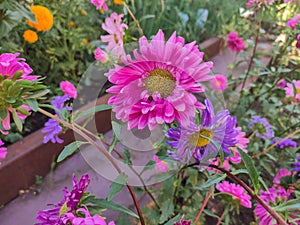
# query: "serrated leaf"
{"points": [[69, 150], [117, 186], [251, 169], [33, 104]]}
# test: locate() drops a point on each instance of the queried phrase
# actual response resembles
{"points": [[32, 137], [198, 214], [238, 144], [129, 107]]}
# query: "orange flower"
{"points": [[44, 18], [118, 2], [30, 36]]}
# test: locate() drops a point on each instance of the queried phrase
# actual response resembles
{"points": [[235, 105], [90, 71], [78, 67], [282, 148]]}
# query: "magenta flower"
{"points": [[281, 173], [242, 144], [157, 86], [10, 64], [56, 215], [219, 82], [100, 4], [289, 90], [68, 88], [236, 191], [183, 222], [281, 84], [161, 166], [100, 55], [115, 29], [274, 196], [293, 22], [298, 41], [3, 150], [88, 219], [251, 3], [235, 43]]}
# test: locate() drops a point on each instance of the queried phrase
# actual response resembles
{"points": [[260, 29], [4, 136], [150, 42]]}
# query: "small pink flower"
{"points": [[281, 84], [242, 144], [100, 4], [292, 23], [250, 3], [236, 191], [115, 29], [68, 88], [3, 150], [100, 55], [219, 82], [281, 173], [90, 220], [161, 166], [289, 90], [298, 41], [235, 43]]}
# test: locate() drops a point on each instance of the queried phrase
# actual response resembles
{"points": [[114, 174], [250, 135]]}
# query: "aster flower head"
{"points": [[203, 142], [290, 92], [56, 215], [284, 143], [273, 196], [100, 55], [281, 173], [293, 22], [100, 4], [234, 42], [3, 150], [115, 28], [236, 191], [158, 86], [43, 16], [242, 143], [161, 166], [262, 127], [219, 82], [68, 88]]}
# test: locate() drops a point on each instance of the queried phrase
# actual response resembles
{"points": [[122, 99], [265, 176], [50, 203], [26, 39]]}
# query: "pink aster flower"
{"points": [[161, 166], [100, 55], [90, 220], [298, 41], [281, 173], [219, 82], [115, 29], [289, 90], [274, 196], [293, 22], [236, 191], [235, 43], [242, 144], [157, 86], [100, 4], [68, 88], [3, 150], [281, 84]]}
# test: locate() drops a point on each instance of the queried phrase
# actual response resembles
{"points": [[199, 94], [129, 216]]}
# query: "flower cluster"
{"points": [[285, 143], [234, 42], [115, 29], [236, 191], [261, 127]]}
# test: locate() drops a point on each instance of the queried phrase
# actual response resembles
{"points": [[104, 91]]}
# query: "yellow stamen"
{"points": [[198, 139]]}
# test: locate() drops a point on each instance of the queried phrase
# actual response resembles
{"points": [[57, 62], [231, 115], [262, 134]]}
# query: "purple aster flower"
{"points": [[202, 142], [284, 143], [297, 165], [262, 127], [53, 129], [274, 196], [56, 215]]}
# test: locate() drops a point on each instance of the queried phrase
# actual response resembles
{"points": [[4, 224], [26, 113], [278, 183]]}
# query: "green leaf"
{"points": [[293, 204], [17, 120], [111, 205], [69, 150], [23, 111], [38, 94], [93, 110], [117, 186], [173, 220], [33, 104], [167, 209], [251, 169], [3, 113], [113, 144], [10, 100], [213, 180]]}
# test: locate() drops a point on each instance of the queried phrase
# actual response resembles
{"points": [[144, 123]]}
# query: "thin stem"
{"points": [[221, 218], [272, 212], [162, 5], [275, 144], [208, 195], [134, 19], [103, 151]]}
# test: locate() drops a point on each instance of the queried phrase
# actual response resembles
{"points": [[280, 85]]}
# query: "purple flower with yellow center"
{"points": [[203, 142], [284, 143], [56, 215], [261, 127]]}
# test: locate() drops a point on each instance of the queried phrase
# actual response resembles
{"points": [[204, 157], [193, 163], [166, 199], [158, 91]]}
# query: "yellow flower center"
{"points": [[198, 139], [161, 81], [297, 90]]}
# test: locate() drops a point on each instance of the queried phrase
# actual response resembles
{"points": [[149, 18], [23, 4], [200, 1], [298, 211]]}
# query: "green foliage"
{"points": [[117, 186], [69, 150]]}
